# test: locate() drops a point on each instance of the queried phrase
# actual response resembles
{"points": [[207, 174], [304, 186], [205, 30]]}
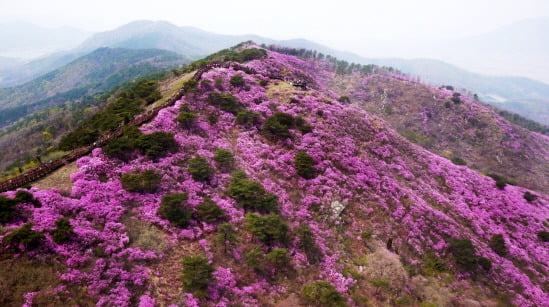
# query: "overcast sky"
{"points": [[337, 23]]}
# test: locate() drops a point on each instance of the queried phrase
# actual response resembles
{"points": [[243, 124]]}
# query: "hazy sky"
{"points": [[339, 23]]}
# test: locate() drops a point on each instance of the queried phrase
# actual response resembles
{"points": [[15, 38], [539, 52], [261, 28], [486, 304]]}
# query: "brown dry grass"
{"points": [[59, 179]]}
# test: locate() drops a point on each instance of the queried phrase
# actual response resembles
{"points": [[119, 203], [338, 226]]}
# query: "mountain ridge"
{"points": [[278, 193]]}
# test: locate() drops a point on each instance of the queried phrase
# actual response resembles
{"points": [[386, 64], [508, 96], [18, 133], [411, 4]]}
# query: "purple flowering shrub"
{"points": [[366, 178]]}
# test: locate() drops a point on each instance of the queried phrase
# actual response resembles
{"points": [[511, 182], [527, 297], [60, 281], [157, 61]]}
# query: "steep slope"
{"points": [[326, 192], [520, 95], [461, 130]]}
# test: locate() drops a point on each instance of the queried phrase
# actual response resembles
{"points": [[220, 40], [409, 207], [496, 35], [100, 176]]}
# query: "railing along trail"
{"points": [[43, 170]]}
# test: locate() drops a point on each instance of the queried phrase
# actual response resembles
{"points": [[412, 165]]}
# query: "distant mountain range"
{"points": [[524, 96], [98, 71]]}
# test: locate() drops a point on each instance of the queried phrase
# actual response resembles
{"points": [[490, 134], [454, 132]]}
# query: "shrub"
{"points": [[459, 161], [197, 274], [304, 165], [268, 229], [254, 258], [173, 208], [123, 147], [278, 261], [366, 235], [212, 119], [186, 117], [226, 236], [302, 125], [7, 209], [251, 195], [464, 254], [200, 169], [247, 118], [22, 196], [263, 83], [485, 263], [497, 244], [77, 138], [308, 245], [143, 182], [224, 160], [24, 235], [433, 264], [344, 99], [63, 231], [530, 197], [208, 211], [321, 293], [190, 86], [218, 83], [543, 236], [276, 127], [225, 102], [237, 80], [501, 182], [157, 144]]}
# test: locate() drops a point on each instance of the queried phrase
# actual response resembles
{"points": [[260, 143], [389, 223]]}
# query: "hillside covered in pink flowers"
{"points": [[250, 191]]}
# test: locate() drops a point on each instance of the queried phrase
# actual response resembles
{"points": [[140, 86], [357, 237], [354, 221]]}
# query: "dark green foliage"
{"points": [[501, 182], [226, 236], [190, 86], [485, 263], [186, 117], [225, 102], [212, 119], [433, 264], [464, 253], [366, 235], [63, 231], [224, 160], [157, 144], [524, 122], [304, 165], [323, 294], [208, 211], [125, 146], [308, 245], [197, 274], [218, 84], [276, 127], [7, 209], [173, 208], [144, 182], [254, 258], [77, 138], [497, 244], [458, 161], [251, 195], [455, 100], [543, 236], [200, 169], [237, 80], [302, 125], [278, 259], [247, 118], [22, 196], [269, 229], [530, 197], [24, 235], [344, 99], [263, 83]]}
